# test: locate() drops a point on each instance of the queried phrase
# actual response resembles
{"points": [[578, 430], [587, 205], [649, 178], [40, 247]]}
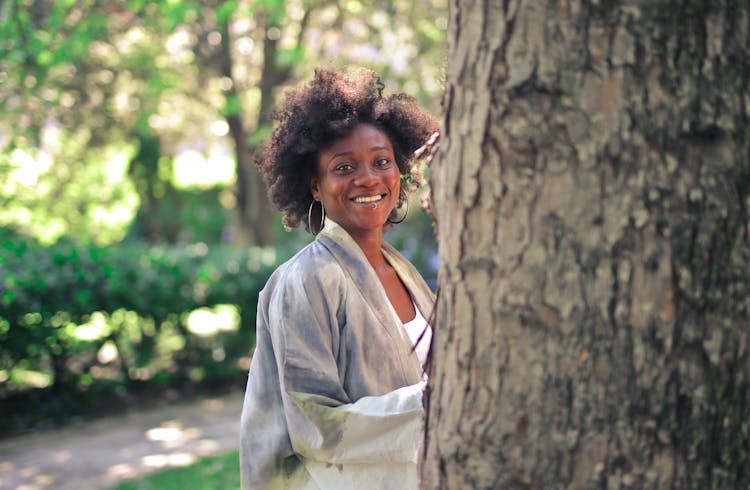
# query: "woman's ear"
{"points": [[314, 190]]}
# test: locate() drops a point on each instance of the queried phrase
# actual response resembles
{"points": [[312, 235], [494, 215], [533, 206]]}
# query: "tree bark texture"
{"points": [[591, 195]]}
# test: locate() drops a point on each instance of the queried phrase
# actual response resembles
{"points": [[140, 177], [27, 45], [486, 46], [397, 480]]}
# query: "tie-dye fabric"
{"points": [[334, 395]]}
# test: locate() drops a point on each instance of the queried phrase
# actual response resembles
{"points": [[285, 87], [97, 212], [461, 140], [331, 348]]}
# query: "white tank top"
{"points": [[416, 328]]}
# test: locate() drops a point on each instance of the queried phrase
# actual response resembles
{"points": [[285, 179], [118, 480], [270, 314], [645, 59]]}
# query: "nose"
{"points": [[365, 176]]}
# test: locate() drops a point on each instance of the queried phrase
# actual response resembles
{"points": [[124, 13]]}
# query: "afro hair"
{"points": [[312, 116]]}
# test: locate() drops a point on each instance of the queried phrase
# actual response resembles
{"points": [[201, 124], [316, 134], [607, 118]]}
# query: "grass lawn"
{"points": [[220, 472]]}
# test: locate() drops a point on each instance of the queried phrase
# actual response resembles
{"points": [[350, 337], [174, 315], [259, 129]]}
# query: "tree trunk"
{"points": [[591, 194], [254, 209]]}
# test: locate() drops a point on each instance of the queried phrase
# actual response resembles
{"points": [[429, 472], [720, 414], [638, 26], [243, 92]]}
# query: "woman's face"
{"points": [[358, 180]]}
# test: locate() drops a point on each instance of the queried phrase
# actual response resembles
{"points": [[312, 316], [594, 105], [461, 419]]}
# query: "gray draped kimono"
{"points": [[334, 396]]}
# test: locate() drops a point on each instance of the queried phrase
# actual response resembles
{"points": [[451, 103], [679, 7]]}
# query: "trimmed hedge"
{"points": [[83, 326], [79, 322]]}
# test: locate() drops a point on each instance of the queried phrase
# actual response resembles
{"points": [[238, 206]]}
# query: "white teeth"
{"points": [[367, 199]]}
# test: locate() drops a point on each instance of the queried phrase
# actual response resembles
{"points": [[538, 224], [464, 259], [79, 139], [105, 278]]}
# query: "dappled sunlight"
{"points": [[52, 198], [34, 379], [40, 481], [97, 327], [33, 479], [25, 169], [104, 452], [172, 434], [117, 452], [104, 331], [159, 461], [126, 218], [121, 472], [62, 456], [107, 353], [209, 321], [191, 168]]}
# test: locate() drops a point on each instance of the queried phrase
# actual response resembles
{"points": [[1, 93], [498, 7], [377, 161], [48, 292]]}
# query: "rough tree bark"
{"points": [[591, 194]]}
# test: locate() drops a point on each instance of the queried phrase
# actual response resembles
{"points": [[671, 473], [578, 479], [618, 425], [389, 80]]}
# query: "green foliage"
{"points": [[232, 106], [224, 11], [178, 12], [215, 473], [261, 133], [39, 38], [275, 9], [183, 216], [290, 57], [99, 101], [168, 214], [104, 73], [415, 239], [81, 323], [65, 189], [77, 320]]}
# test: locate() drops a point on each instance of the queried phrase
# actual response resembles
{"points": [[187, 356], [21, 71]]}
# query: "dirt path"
{"points": [[98, 454]]}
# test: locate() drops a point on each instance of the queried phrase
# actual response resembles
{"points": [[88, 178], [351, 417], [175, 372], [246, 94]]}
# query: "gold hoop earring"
{"points": [[403, 218], [322, 217]]}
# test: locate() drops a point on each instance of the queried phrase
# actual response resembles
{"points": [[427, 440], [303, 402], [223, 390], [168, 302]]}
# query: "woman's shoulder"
{"points": [[312, 265]]}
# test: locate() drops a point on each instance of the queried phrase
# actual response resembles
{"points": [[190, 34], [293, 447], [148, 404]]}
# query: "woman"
{"points": [[334, 396]]}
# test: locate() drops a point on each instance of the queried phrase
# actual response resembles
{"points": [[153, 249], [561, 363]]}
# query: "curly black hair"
{"points": [[312, 116]]}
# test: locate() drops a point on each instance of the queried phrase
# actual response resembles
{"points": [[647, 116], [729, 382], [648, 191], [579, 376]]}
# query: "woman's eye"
{"points": [[382, 162], [343, 167]]}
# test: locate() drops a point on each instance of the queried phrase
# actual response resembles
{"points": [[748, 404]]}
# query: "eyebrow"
{"points": [[347, 153], [342, 154]]}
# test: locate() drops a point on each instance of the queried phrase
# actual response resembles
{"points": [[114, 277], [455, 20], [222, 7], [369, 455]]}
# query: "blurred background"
{"points": [[135, 232]]}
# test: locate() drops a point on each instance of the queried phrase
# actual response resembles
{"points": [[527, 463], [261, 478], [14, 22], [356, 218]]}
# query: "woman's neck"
{"points": [[371, 244]]}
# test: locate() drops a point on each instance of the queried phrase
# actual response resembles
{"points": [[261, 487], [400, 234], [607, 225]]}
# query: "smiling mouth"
{"points": [[369, 198]]}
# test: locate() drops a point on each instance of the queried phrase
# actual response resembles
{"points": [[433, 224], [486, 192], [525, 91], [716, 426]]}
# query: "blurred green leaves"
{"points": [[102, 72], [289, 57], [233, 105], [225, 10], [101, 105], [89, 317]]}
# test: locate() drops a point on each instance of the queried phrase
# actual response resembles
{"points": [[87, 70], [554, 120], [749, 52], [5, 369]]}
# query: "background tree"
{"points": [[138, 90], [592, 192], [128, 199]]}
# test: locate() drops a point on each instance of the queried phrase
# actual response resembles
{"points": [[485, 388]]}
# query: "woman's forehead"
{"points": [[362, 136]]}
